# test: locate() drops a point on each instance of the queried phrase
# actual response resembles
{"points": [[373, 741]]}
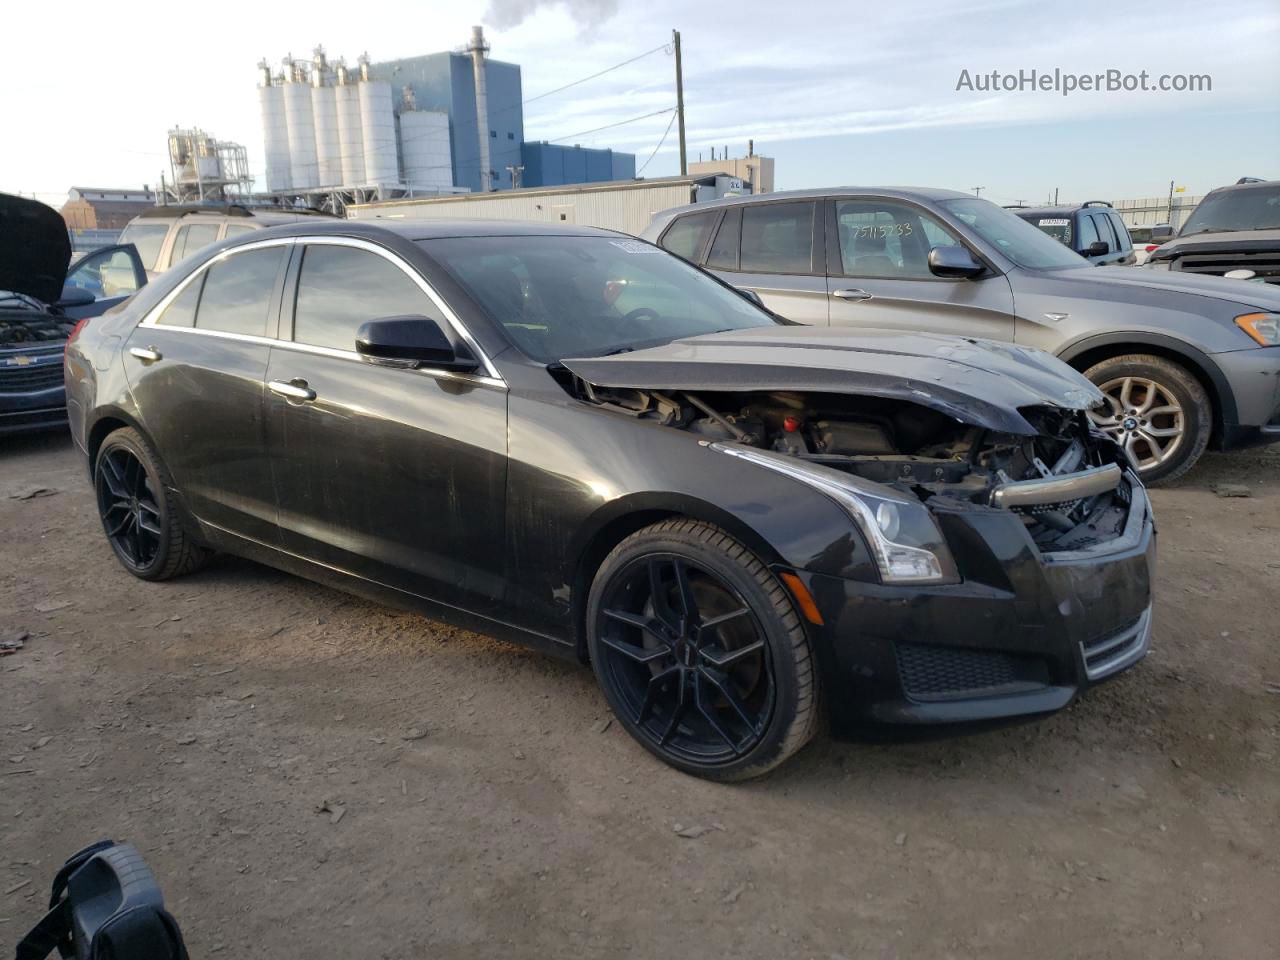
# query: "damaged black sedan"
{"points": [[575, 440]]}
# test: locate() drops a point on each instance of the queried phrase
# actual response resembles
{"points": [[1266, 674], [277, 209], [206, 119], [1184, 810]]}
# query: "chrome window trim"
{"points": [[490, 377]]}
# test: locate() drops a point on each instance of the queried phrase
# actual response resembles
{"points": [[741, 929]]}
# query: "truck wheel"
{"points": [[1157, 411], [700, 652]]}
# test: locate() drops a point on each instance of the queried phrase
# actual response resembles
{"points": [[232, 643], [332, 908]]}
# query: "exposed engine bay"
{"points": [[30, 326], [1065, 481]]}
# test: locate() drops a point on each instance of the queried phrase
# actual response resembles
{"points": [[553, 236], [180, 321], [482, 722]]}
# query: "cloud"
{"points": [[588, 14]]}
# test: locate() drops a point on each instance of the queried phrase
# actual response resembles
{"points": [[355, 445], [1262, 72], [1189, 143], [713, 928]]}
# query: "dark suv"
{"points": [[1235, 228], [1093, 229]]}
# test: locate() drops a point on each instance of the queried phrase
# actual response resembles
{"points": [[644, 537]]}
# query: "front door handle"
{"points": [[146, 354], [851, 293], [295, 389]]}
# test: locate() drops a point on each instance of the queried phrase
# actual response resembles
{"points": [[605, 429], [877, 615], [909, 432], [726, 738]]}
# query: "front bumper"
{"points": [[1021, 635], [1254, 377]]}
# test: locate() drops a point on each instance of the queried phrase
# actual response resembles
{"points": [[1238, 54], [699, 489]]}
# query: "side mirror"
{"points": [[1097, 248], [752, 296], [73, 296], [954, 262], [1161, 233], [412, 341]]}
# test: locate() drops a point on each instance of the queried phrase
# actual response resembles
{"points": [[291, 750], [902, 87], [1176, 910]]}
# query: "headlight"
{"points": [[905, 540], [1262, 327]]}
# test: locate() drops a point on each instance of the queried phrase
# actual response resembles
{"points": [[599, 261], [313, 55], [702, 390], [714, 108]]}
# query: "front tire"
{"points": [[700, 652], [138, 511], [1157, 410]]}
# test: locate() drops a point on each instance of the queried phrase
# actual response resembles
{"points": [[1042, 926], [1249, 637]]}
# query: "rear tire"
{"points": [[1158, 411], [700, 652], [139, 511]]}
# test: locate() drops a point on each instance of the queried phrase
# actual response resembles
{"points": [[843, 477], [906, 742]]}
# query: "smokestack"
{"points": [[751, 148], [478, 49]]}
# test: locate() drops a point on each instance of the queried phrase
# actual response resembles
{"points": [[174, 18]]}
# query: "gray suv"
{"points": [[1185, 361]]}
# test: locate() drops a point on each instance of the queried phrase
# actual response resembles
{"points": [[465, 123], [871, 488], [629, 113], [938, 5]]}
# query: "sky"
{"points": [[836, 92]]}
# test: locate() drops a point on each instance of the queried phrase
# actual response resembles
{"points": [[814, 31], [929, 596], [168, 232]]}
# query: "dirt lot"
{"points": [[488, 810]]}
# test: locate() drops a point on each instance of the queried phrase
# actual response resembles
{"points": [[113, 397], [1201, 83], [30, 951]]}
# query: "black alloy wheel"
{"points": [[137, 509], [699, 652], [129, 509]]}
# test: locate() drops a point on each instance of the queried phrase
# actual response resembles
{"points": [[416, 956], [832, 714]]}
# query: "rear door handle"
{"points": [[146, 354], [295, 389], [851, 293]]}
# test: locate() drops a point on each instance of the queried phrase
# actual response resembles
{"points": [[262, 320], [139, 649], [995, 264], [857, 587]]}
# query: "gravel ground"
{"points": [[313, 775]]}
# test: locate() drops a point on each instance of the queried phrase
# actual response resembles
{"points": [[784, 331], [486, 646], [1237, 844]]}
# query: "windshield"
{"points": [[587, 296], [1018, 240], [1253, 208]]}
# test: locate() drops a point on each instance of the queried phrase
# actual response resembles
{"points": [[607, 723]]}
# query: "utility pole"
{"points": [[1171, 225], [675, 42], [977, 191], [1055, 196]]}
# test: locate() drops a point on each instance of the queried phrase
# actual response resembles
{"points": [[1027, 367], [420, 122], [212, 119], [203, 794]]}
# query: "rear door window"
{"points": [[192, 237], [341, 288], [238, 292], [724, 249], [148, 238], [181, 311], [687, 236], [778, 238], [235, 230]]}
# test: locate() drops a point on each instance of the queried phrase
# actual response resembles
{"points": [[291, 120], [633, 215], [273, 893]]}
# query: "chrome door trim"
{"points": [[490, 378]]}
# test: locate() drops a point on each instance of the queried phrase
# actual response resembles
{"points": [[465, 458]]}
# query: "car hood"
{"points": [[1244, 241], [34, 248], [981, 382], [1118, 280]]}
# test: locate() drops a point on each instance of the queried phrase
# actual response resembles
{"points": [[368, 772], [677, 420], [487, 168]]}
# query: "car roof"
{"points": [[438, 229], [1061, 209], [251, 216], [1247, 185], [918, 194]]}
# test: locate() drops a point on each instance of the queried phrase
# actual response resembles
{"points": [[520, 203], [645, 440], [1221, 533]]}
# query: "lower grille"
{"points": [[940, 673], [34, 377], [1116, 649]]}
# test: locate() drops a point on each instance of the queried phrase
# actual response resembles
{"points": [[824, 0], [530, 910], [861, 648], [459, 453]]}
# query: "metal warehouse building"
{"points": [[625, 205]]}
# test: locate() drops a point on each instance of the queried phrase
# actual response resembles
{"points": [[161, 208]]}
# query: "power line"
{"points": [[610, 126], [660, 143], [593, 76]]}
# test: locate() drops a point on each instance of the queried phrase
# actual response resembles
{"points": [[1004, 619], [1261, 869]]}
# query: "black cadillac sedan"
{"points": [[573, 439]]}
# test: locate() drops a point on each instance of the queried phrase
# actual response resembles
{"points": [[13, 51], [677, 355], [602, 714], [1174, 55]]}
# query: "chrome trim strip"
{"points": [[1135, 642], [491, 377], [1074, 486]]}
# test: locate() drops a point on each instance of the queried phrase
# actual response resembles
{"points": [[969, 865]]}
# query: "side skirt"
{"points": [[227, 542]]}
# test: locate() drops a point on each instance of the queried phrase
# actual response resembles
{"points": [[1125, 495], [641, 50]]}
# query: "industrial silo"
{"points": [[324, 112], [275, 131], [378, 129], [424, 145], [303, 162], [350, 131]]}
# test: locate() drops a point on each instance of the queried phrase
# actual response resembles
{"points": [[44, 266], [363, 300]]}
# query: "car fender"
{"points": [[1199, 361]]}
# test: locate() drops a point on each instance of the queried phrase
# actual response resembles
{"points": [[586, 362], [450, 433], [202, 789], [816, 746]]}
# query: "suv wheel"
{"points": [[1157, 411]]}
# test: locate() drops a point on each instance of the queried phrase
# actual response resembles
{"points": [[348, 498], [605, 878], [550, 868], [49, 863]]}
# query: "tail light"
{"points": [[75, 331], [1152, 246]]}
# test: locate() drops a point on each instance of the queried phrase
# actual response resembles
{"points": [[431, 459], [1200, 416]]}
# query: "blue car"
{"points": [[41, 303]]}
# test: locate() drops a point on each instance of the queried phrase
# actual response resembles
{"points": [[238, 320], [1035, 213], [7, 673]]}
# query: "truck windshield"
{"points": [[1252, 208], [1018, 240], [564, 296]]}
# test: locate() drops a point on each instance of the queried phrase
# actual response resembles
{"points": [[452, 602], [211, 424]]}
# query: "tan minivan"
{"points": [[166, 235]]}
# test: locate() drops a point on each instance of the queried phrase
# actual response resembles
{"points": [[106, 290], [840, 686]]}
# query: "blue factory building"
{"points": [[554, 165], [445, 82]]}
